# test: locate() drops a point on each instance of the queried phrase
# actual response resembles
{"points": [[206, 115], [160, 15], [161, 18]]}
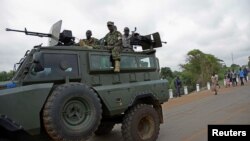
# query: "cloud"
{"points": [[216, 27]]}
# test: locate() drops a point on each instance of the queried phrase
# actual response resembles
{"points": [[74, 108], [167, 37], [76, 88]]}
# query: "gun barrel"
{"points": [[8, 29], [30, 33]]}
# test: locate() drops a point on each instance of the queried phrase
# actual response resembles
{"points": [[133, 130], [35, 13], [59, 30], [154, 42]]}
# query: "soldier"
{"points": [[178, 85], [126, 40], [114, 42], [89, 42]]}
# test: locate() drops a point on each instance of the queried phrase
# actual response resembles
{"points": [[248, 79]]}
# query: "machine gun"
{"points": [[55, 37], [148, 42], [30, 33]]}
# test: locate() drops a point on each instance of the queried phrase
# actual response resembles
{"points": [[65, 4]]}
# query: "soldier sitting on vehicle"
{"points": [[113, 41], [126, 40], [89, 42]]}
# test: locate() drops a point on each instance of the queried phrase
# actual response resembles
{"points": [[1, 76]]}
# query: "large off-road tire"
{"points": [[72, 112], [141, 123], [104, 128]]}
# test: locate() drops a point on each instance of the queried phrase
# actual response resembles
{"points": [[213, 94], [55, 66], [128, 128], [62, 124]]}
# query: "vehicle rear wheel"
{"points": [[141, 123], [72, 112], [104, 128]]}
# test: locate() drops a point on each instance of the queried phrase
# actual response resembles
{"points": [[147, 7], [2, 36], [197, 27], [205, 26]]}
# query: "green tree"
{"points": [[199, 67], [5, 76], [235, 66], [166, 73]]}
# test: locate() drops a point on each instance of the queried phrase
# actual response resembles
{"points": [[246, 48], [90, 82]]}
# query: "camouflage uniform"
{"points": [[114, 40], [92, 42]]}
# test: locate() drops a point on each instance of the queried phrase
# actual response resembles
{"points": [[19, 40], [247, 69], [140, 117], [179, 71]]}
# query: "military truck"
{"points": [[68, 92]]}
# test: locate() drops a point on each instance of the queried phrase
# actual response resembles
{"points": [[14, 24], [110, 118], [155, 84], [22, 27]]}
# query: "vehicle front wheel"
{"points": [[72, 112], [141, 123]]}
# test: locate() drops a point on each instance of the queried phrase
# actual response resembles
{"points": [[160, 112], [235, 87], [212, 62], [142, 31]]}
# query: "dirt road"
{"points": [[186, 118]]}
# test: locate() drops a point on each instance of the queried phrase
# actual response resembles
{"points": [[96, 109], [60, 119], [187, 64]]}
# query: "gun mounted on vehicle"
{"points": [[147, 42], [55, 37], [30, 33]]}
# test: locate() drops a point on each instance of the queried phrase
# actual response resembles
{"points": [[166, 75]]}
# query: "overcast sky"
{"points": [[218, 27]]}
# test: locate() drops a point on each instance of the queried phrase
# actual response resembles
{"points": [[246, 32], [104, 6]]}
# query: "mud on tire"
{"points": [[72, 112], [141, 123]]}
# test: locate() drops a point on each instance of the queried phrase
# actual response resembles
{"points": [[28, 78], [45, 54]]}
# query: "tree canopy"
{"points": [[5, 76], [200, 66]]}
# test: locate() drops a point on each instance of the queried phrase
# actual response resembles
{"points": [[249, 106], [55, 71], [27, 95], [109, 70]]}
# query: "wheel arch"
{"points": [[42, 128], [149, 99]]}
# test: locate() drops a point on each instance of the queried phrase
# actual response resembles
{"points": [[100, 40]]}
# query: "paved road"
{"points": [[186, 118]]}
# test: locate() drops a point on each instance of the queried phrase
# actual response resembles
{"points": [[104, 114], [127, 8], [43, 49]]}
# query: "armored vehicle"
{"points": [[67, 92]]}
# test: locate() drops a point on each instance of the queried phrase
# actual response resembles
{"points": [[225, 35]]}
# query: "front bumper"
{"points": [[8, 124], [10, 130]]}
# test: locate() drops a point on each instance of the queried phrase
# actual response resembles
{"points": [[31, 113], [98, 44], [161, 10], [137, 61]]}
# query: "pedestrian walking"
{"points": [[216, 75], [245, 73], [241, 74], [214, 80], [227, 78], [234, 76]]}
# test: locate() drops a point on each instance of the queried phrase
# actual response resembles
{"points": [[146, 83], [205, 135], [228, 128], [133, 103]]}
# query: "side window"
{"points": [[128, 62], [100, 62], [146, 62], [58, 65], [61, 63]]}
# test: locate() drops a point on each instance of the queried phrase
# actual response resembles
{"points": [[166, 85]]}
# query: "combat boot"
{"points": [[117, 66]]}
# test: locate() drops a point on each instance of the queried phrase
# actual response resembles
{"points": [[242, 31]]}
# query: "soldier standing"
{"points": [[89, 42], [178, 85], [114, 42], [126, 40]]}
